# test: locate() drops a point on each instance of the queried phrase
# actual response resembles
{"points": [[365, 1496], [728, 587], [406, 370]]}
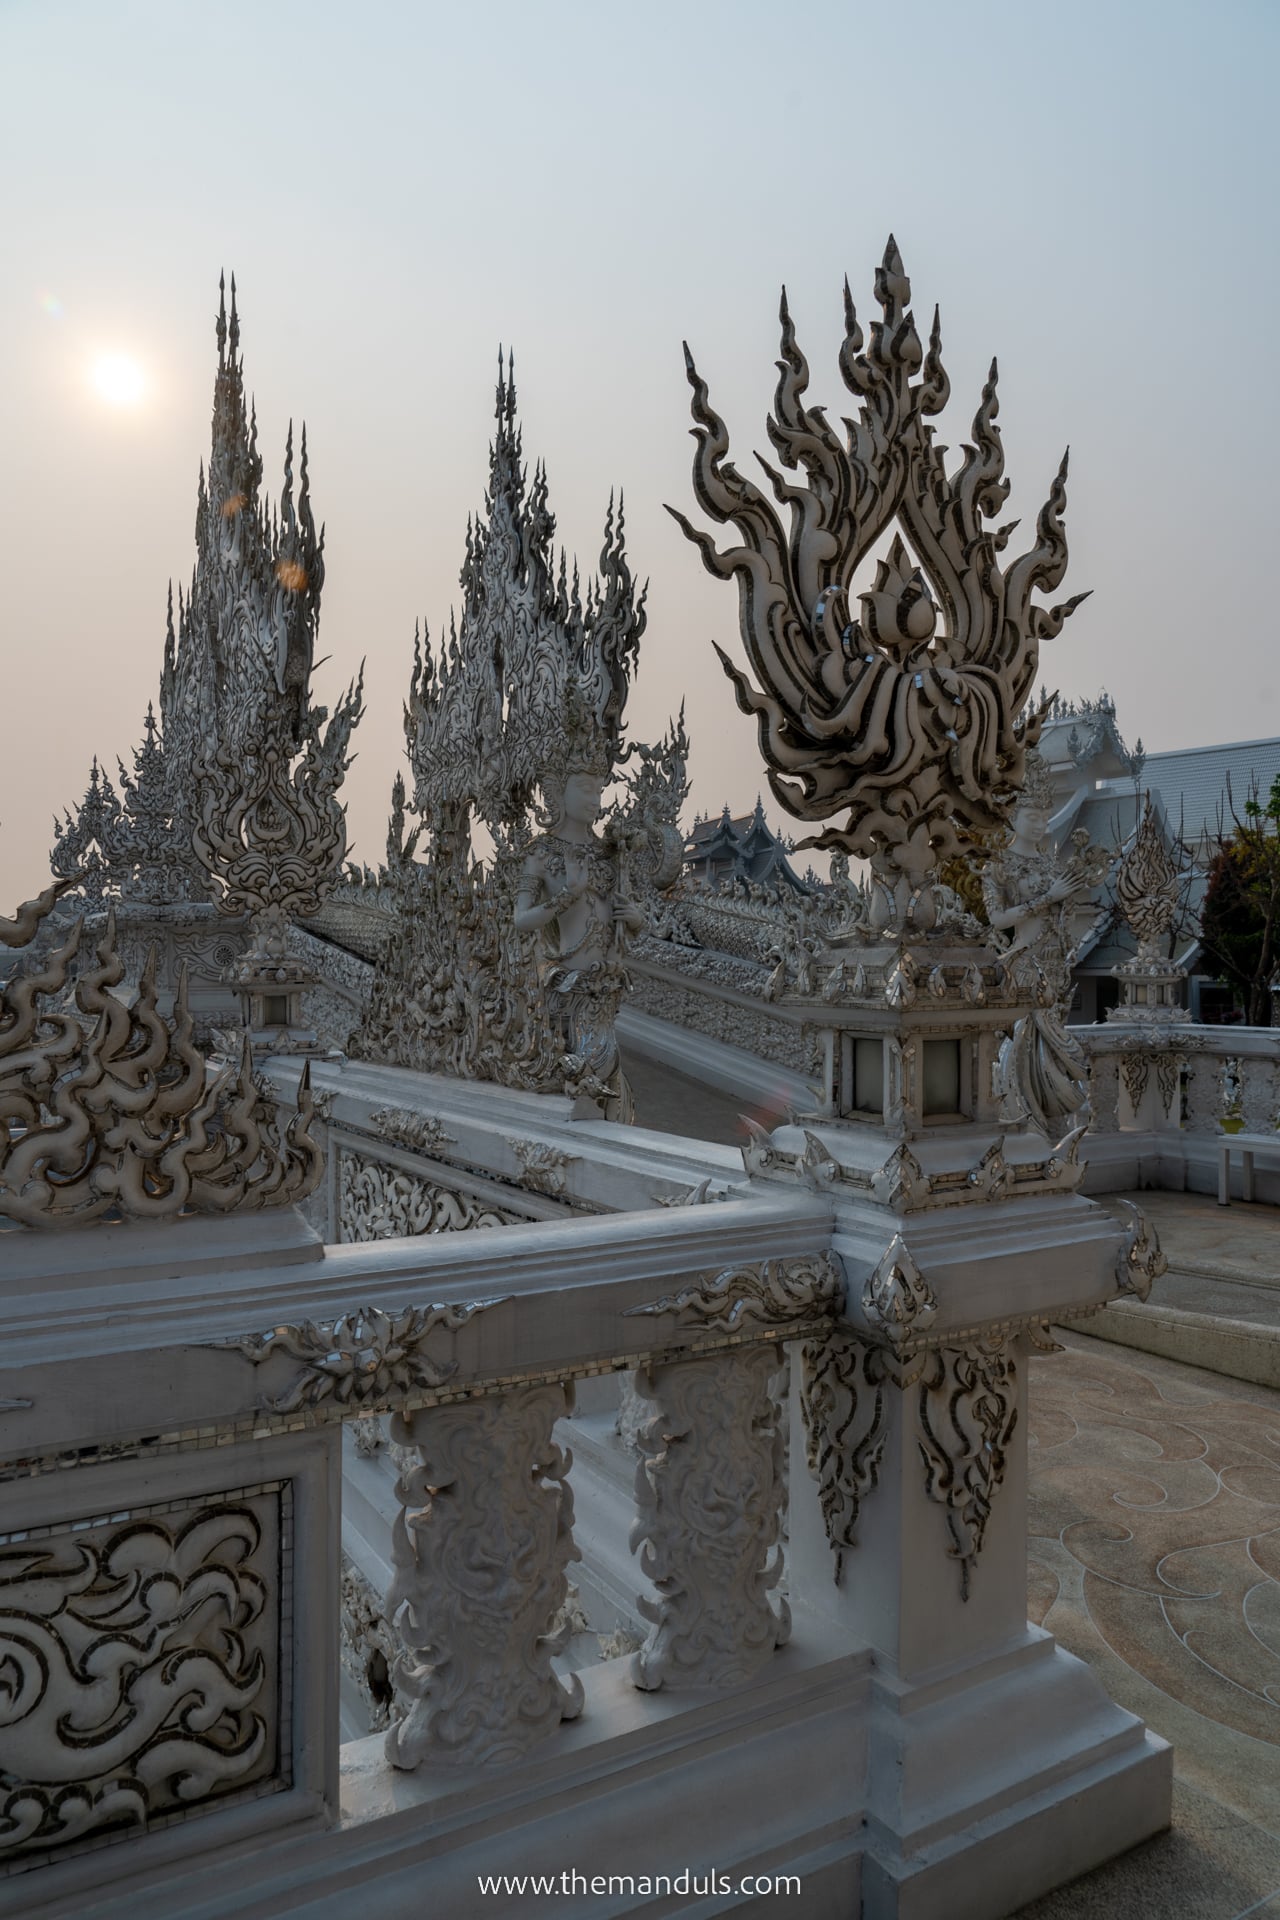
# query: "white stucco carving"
{"points": [[368, 1647], [480, 1549], [709, 1494], [909, 713], [842, 1404], [1141, 1260], [107, 1108], [408, 1129], [968, 1411], [541, 1167], [377, 1201], [769, 1293], [1148, 886], [140, 1657], [897, 1298], [362, 1358], [1032, 893]]}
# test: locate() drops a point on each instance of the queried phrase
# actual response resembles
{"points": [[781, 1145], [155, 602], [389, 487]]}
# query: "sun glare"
{"points": [[118, 380]]}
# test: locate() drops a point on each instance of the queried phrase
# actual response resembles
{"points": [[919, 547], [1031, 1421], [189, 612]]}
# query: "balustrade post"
{"points": [[709, 1492], [480, 1548], [1104, 1092], [1259, 1092]]}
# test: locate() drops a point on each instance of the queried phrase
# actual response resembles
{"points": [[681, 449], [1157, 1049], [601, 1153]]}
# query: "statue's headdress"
{"points": [[1037, 785]]}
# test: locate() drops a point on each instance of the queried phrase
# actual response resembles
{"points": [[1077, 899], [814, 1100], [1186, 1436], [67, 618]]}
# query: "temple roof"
{"points": [[740, 847]]}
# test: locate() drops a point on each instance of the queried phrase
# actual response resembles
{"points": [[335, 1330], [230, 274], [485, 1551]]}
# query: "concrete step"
{"points": [[1243, 1349]]}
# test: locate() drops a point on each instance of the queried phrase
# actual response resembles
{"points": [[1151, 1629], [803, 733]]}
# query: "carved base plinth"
{"points": [[709, 1490], [480, 1549]]}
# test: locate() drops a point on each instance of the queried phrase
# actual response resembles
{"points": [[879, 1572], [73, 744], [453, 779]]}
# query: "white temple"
{"points": [[421, 1462]]}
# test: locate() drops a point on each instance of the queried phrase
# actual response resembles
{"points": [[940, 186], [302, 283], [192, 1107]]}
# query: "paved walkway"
{"points": [[1155, 1556]]}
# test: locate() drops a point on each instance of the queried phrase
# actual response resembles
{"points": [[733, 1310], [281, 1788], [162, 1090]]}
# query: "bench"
{"points": [[1247, 1144]]}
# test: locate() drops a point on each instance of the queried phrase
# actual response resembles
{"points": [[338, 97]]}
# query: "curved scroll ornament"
{"points": [[480, 1548], [109, 1109], [772, 1293], [709, 1493], [966, 1400], [363, 1357], [906, 712], [135, 1656]]}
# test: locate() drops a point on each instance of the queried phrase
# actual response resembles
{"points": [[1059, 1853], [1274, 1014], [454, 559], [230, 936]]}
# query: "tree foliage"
{"points": [[1240, 920]]}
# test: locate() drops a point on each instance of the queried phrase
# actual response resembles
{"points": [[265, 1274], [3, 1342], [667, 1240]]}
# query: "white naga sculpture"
{"points": [[911, 712], [1032, 893]]}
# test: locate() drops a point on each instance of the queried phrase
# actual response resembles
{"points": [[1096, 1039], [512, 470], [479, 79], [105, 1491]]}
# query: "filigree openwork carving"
{"points": [[86, 850], [107, 1108], [363, 1358], [480, 1548], [968, 1413], [965, 1401], [377, 1201], [138, 1659], [911, 713], [271, 831], [709, 1492], [791, 1290], [252, 769], [842, 1403]]}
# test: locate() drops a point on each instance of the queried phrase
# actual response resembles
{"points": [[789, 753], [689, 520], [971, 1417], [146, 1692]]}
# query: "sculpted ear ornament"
{"points": [[1141, 1260]]}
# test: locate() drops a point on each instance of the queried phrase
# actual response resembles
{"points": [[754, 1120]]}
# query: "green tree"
{"points": [[1240, 920]]}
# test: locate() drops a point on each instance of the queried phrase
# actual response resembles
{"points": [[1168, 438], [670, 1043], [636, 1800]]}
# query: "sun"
{"points": [[118, 379]]}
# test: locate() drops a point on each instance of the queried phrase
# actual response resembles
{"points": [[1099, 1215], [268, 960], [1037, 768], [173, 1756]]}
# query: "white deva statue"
{"points": [[574, 895], [1033, 893]]}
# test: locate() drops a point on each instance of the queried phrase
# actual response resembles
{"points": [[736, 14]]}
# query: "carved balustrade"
{"points": [[170, 1410], [1200, 1074], [1162, 1093]]}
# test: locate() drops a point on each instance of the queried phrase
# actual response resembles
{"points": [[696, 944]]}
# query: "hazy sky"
{"points": [[1088, 190]]}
